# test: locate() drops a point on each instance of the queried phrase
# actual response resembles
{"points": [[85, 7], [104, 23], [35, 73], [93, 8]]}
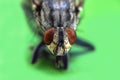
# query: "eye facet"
{"points": [[71, 35], [48, 36]]}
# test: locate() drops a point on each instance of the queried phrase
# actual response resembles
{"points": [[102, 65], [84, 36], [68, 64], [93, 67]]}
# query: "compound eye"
{"points": [[71, 35], [48, 36]]}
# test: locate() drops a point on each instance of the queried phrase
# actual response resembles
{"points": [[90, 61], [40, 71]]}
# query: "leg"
{"points": [[88, 46], [39, 48], [80, 42]]}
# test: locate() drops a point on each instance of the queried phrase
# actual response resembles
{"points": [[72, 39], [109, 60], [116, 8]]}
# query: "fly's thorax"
{"points": [[55, 13]]}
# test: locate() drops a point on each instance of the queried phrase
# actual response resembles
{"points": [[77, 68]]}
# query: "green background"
{"points": [[100, 26]]}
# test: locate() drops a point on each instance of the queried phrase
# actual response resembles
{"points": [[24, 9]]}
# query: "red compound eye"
{"points": [[71, 35], [48, 36]]}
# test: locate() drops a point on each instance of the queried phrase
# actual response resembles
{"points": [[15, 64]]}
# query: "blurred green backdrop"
{"points": [[101, 26]]}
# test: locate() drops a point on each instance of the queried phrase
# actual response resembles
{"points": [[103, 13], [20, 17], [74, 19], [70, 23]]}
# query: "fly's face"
{"points": [[59, 40]]}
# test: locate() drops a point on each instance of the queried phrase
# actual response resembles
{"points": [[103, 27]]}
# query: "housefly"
{"points": [[56, 22]]}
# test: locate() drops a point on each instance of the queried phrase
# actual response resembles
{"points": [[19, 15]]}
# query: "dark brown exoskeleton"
{"points": [[56, 21]]}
